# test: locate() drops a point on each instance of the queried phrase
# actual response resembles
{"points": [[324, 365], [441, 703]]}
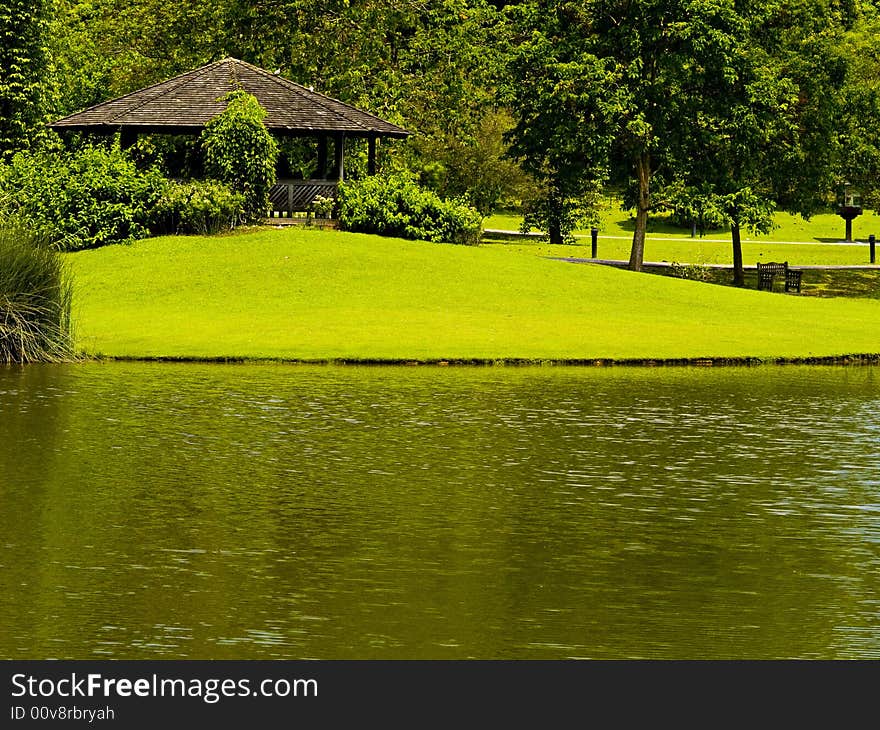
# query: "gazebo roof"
{"points": [[187, 102]]}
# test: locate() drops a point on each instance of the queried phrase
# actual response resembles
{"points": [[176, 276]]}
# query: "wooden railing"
{"points": [[295, 196]]}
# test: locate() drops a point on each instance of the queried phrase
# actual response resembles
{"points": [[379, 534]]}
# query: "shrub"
{"points": [[79, 199], [694, 272], [396, 206], [196, 207], [35, 297], [241, 152]]}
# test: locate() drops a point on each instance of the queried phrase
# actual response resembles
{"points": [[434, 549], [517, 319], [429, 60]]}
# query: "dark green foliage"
{"points": [[35, 298], [22, 72], [82, 199], [196, 207], [396, 206], [241, 152], [475, 167], [550, 210]]}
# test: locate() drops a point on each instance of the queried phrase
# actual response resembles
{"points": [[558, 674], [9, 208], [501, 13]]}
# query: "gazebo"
{"points": [[186, 103]]}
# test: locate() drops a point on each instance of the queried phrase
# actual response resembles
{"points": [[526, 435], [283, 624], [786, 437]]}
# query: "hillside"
{"points": [[322, 295]]}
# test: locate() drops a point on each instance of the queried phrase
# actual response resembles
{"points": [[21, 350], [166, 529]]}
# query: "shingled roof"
{"points": [[187, 102]]}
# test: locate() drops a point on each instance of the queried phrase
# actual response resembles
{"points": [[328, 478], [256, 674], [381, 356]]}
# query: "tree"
{"points": [[241, 152], [860, 99], [768, 136], [22, 72], [598, 91], [748, 122], [647, 94]]}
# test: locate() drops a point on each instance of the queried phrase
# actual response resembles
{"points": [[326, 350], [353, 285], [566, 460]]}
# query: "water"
{"points": [[211, 511]]}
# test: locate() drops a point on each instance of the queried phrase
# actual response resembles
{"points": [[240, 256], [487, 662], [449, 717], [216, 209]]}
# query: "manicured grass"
{"points": [[823, 228], [702, 251], [301, 294]]}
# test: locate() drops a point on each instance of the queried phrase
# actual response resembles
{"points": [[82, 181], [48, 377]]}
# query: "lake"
{"points": [[163, 511]]}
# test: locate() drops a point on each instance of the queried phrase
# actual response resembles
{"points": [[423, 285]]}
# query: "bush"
{"points": [[396, 206], [35, 297], [694, 272], [241, 152], [79, 199], [196, 207]]}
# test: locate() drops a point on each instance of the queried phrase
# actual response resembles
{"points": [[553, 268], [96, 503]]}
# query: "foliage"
{"points": [[176, 156], [35, 297], [82, 199], [694, 272], [196, 206], [859, 140], [562, 136], [241, 152], [396, 206], [430, 67], [322, 206], [550, 210], [22, 72], [766, 133], [644, 93], [475, 167]]}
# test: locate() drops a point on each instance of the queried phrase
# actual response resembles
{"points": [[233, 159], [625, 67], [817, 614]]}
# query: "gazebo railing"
{"points": [[296, 196]]}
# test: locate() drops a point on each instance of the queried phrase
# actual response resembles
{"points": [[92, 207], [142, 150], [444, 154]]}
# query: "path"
{"points": [[667, 264]]}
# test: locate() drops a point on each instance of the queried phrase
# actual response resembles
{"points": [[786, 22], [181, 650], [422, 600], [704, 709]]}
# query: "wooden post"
{"points": [[322, 157], [339, 154], [371, 156]]}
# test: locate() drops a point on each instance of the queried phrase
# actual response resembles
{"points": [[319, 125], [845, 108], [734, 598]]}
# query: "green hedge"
{"points": [[396, 206]]}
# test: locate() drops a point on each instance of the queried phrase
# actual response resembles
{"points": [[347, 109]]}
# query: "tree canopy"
{"points": [[721, 109]]}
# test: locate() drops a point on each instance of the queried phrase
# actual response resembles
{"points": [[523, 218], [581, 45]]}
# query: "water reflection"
{"points": [[164, 511]]}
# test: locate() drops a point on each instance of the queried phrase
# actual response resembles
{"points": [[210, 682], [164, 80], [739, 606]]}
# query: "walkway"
{"points": [[666, 264]]}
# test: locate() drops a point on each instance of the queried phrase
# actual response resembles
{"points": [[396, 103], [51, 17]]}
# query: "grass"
{"points": [[701, 251], [319, 295], [863, 283], [823, 228], [35, 300]]}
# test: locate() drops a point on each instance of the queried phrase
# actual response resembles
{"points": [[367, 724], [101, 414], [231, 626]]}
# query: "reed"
{"points": [[35, 299]]}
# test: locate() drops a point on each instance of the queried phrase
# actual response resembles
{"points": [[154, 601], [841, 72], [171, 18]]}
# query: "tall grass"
{"points": [[35, 297]]}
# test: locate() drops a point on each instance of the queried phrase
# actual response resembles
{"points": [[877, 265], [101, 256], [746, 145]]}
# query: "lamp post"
{"points": [[850, 207]]}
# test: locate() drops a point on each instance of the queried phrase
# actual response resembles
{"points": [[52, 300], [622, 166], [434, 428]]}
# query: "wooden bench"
{"points": [[767, 273]]}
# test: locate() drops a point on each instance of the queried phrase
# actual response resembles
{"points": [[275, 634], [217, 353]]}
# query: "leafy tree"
{"points": [[474, 166], [22, 71], [561, 138], [746, 123], [241, 152], [860, 99], [767, 135]]}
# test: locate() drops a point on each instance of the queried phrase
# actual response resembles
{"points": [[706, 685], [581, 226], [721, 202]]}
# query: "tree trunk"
{"points": [[739, 277], [554, 229], [643, 171]]}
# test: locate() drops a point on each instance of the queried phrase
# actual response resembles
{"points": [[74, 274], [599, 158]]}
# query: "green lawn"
{"points": [[306, 294], [824, 228], [699, 251]]}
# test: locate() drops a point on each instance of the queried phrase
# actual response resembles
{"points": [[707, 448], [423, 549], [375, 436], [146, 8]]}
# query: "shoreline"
{"points": [[860, 359]]}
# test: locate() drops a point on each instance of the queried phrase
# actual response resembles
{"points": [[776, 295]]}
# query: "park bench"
{"points": [[767, 273]]}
